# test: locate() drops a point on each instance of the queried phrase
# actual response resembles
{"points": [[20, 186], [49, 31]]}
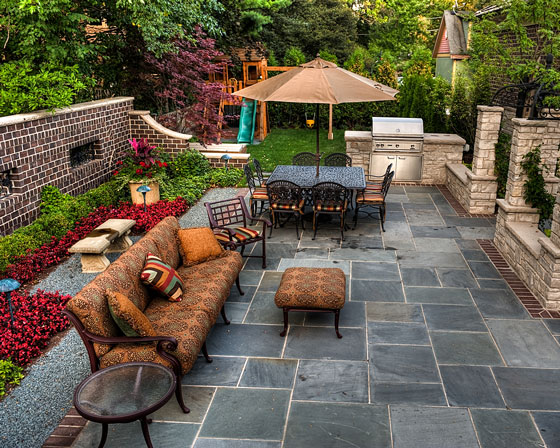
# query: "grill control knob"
{"points": [[396, 146]]}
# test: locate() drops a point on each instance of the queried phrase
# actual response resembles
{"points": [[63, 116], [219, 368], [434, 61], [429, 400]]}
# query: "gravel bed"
{"points": [[34, 409]]}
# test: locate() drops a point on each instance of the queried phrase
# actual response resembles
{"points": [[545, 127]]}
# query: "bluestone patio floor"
{"points": [[437, 351]]}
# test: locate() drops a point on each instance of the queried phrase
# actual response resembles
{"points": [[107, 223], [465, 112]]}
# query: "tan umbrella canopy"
{"points": [[318, 82]]}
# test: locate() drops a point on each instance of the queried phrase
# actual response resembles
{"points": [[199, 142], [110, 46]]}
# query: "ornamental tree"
{"points": [[182, 82]]}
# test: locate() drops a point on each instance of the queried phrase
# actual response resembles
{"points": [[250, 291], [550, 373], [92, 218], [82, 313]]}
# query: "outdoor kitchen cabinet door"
{"points": [[380, 162], [409, 167]]}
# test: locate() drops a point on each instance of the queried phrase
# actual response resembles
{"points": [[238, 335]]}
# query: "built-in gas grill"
{"points": [[398, 141]]}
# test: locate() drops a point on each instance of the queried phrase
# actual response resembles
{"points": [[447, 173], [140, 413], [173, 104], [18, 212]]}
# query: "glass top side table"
{"points": [[124, 393]]}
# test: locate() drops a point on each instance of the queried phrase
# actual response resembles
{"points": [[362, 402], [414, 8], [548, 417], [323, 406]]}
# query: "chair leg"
{"points": [[223, 312], [264, 253], [179, 396], [356, 215], [205, 353], [342, 226], [273, 218], [314, 225], [241, 293], [382, 216], [297, 228]]}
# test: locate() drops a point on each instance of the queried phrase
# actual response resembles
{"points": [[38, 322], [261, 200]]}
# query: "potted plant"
{"points": [[143, 164]]}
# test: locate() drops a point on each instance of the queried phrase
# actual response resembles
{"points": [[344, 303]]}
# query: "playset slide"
{"points": [[247, 122]]}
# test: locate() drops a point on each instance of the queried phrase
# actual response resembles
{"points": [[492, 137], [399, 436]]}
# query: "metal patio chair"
{"points": [[285, 198], [374, 199], [332, 199], [338, 159]]}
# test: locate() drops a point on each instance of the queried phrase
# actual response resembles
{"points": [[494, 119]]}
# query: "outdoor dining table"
{"points": [[350, 177]]}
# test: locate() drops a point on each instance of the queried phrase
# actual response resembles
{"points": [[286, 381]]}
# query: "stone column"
{"points": [[482, 185], [527, 134], [359, 146], [487, 132]]}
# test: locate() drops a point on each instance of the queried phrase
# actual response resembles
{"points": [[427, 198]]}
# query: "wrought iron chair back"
{"points": [[258, 170], [330, 198], [285, 197], [305, 159], [227, 212], [338, 159], [372, 178], [250, 178], [376, 199]]}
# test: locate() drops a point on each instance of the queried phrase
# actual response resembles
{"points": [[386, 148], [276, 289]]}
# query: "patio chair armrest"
{"points": [[266, 222], [229, 245]]}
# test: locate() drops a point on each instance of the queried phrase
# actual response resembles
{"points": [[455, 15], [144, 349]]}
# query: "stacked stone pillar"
{"points": [[534, 257], [482, 182]]}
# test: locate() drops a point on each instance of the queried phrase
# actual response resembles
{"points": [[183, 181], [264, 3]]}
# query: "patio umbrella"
{"points": [[318, 82]]}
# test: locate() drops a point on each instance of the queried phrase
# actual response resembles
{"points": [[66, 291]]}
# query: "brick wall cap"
{"points": [[527, 122], [444, 139], [358, 136], [459, 170], [151, 122], [21, 118], [482, 108]]}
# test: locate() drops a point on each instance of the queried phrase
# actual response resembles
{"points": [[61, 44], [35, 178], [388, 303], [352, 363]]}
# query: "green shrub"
{"points": [[535, 192], [9, 374], [221, 178], [293, 56], [188, 164], [59, 214], [190, 189], [501, 167], [26, 88]]}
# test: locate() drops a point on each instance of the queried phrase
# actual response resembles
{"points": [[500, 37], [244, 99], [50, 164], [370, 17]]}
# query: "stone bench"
{"points": [[111, 236]]}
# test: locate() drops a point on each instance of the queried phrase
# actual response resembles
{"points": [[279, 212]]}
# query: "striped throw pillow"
{"points": [[162, 278]]}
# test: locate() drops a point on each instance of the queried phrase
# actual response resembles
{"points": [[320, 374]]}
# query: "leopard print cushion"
{"points": [[189, 327], [127, 316], [319, 288], [210, 296]]}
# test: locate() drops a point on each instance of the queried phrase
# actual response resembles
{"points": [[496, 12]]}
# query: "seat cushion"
{"points": [[260, 195], [209, 284], [288, 205], [312, 288], [189, 327], [241, 235], [162, 278], [127, 316], [198, 245], [329, 206], [371, 197]]}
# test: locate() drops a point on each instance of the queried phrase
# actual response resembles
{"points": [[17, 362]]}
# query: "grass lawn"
{"points": [[281, 145]]}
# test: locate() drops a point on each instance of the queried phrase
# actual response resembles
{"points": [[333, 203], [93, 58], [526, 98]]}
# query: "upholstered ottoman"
{"points": [[311, 289]]}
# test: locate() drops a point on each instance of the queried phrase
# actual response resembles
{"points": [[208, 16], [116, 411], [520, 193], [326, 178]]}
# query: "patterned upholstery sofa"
{"points": [[182, 326]]}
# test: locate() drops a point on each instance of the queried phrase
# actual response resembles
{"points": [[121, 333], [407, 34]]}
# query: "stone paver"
{"points": [[437, 351]]}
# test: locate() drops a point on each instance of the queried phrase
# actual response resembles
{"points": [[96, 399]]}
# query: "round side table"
{"points": [[124, 393]]}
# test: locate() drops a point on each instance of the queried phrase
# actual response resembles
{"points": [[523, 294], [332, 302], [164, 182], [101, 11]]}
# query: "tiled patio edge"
{"points": [[525, 296], [456, 205], [67, 430]]}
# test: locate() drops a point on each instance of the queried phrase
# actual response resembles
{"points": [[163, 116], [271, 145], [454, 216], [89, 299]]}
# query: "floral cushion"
{"points": [[313, 288], [162, 278], [241, 234], [127, 316], [197, 245]]}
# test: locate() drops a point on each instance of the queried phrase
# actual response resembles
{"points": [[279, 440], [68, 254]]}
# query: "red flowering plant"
{"points": [[142, 162]]}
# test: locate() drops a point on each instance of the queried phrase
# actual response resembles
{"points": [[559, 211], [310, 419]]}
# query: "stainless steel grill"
{"points": [[398, 141]]}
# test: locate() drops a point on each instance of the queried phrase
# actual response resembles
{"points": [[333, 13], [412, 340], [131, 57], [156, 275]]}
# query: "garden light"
{"points": [[226, 158], [143, 189], [8, 285]]}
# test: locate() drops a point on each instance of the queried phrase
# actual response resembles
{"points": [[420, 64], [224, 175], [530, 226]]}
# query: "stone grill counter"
{"points": [[439, 149]]}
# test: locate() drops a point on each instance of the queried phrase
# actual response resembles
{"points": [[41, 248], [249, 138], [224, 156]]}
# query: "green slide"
{"points": [[247, 121]]}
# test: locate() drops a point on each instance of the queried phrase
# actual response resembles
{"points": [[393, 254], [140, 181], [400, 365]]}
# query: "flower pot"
{"points": [[151, 196]]}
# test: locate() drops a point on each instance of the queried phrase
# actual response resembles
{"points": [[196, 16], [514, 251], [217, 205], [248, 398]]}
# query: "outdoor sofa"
{"points": [[181, 326]]}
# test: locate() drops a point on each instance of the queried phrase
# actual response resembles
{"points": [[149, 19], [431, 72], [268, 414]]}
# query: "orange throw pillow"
{"points": [[198, 245], [127, 316]]}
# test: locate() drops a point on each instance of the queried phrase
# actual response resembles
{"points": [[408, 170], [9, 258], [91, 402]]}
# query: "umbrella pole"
{"points": [[318, 155]]}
